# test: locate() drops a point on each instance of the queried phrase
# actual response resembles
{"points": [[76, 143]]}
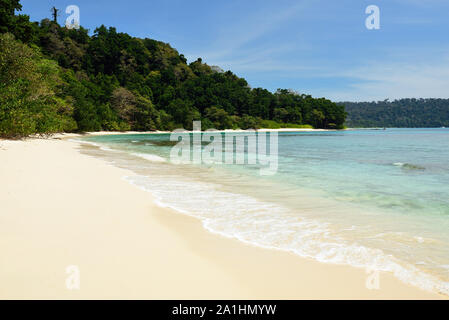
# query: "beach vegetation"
{"points": [[109, 80], [29, 92]]}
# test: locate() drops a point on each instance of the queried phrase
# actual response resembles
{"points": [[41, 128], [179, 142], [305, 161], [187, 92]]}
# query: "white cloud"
{"points": [[231, 39], [381, 80]]}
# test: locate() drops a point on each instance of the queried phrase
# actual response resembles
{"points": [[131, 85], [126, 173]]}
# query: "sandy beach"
{"points": [[60, 208]]}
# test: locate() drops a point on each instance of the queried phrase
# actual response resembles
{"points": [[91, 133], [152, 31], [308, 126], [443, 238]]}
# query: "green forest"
{"points": [[54, 79], [403, 113]]}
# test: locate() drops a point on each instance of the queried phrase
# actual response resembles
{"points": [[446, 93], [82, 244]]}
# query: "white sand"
{"points": [[60, 208]]}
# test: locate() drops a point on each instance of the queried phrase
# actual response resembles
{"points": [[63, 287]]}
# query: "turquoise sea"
{"points": [[375, 199]]}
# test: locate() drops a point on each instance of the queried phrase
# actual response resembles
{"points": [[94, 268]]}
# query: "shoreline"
{"points": [[79, 211], [101, 133]]}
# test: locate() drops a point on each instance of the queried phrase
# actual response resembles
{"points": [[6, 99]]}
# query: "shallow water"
{"points": [[368, 198]]}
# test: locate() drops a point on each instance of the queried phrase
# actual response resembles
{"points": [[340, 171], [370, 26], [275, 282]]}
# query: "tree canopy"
{"points": [[112, 81], [404, 113]]}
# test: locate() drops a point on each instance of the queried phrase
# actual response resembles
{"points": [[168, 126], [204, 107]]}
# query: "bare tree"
{"points": [[55, 14]]}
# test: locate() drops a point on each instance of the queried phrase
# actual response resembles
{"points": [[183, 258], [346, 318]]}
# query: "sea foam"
{"points": [[150, 157], [272, 226]]}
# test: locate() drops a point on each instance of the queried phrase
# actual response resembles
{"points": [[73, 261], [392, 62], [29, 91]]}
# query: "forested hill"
{"points": [[55, 79], [404, 113]]}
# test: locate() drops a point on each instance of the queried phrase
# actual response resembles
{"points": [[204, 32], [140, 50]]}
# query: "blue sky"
{"points": [[318, 47]]}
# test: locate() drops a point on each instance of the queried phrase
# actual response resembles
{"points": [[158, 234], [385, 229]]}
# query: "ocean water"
{"points": [[375, 199]]}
